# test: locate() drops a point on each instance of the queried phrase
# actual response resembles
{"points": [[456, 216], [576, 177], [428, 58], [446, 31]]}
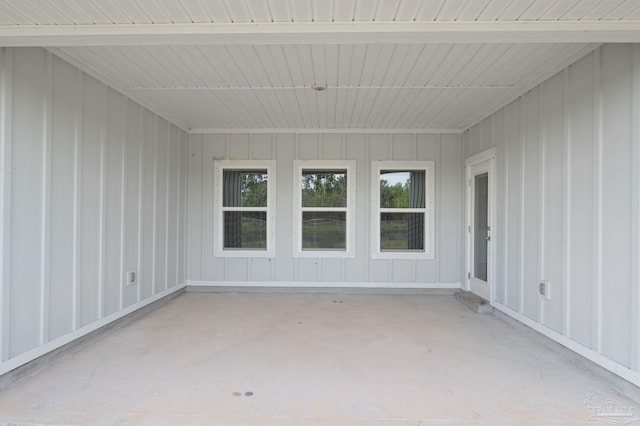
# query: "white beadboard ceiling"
{"points": [[88, 12], [403, 65], [369, 86]]}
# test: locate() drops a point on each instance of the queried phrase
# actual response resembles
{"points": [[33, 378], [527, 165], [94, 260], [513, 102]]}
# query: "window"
{"points": [[403, 219], [244, 199], [324, 204]]}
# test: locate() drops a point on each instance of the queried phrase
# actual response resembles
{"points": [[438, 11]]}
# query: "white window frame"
{"points": [[429, 210], [218, 209], [350, 167]]}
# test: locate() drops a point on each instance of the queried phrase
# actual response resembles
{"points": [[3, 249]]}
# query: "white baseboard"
{"points": [[604, 362], [323, 284], [44, 349]]}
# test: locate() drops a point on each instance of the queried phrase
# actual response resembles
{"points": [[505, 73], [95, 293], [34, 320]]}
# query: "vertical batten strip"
{"points": [[103, 206], [465, 261], [191, 251], [166, 207], [523, 172], [597, 122], [368, 236], [203, 182], [296, 261], [77, 200], [154, 237], [141, 167], [566, 295], [438, 210], [542, 201], [185, 207], [635, 216], [505, 234], [45, 248], [178, 207], [6, 139], [123, 198], [189, 225], [180, 216]]}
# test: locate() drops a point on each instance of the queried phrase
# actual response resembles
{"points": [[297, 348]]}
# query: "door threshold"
{"points": [[474, 302]]}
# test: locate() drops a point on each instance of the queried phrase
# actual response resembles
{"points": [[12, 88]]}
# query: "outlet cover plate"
{"points": [[131, 278], [544, 289]]}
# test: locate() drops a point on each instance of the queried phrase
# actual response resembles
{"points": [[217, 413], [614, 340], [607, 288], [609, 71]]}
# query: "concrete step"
{"points": [[475, 303]]}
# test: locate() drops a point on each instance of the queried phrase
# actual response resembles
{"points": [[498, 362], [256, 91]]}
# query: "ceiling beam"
{"points": [[321, 33]]}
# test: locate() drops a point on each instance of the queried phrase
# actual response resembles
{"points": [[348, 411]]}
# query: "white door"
{"points": [[480, 221]]}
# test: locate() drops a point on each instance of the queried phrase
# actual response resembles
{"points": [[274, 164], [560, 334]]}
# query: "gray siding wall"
{"points": [[568, 193], [92, 185], [284, 269]]}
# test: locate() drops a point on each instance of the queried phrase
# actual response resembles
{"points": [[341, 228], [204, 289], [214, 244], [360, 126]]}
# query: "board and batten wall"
{"points": [[568, 194], [92, 185], [361, 271]]}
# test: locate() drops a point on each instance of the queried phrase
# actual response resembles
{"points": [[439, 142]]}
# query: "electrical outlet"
{"points": [[132, 278], [544, 288]]}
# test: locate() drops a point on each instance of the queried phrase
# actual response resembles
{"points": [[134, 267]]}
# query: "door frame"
{"points": [[483, 162]]}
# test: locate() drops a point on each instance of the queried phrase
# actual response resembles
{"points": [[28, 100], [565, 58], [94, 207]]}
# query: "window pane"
{"points": [[245, 230], [244, 188], [324, 230], [402, 231], [481, 225], [402, 189], [324, 188]]}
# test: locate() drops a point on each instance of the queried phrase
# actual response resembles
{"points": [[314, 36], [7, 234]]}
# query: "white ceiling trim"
{"points": [[321, 33], [310, 130]]}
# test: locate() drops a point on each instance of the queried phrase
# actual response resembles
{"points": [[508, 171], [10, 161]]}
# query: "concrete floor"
{"points": [[309, 359]]}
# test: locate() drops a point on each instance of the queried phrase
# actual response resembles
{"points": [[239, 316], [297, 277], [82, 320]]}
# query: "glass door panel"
{"points": [[480, 225]]}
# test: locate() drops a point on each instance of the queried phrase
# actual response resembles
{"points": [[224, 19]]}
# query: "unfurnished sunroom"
{"points": [[257, 152]]}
